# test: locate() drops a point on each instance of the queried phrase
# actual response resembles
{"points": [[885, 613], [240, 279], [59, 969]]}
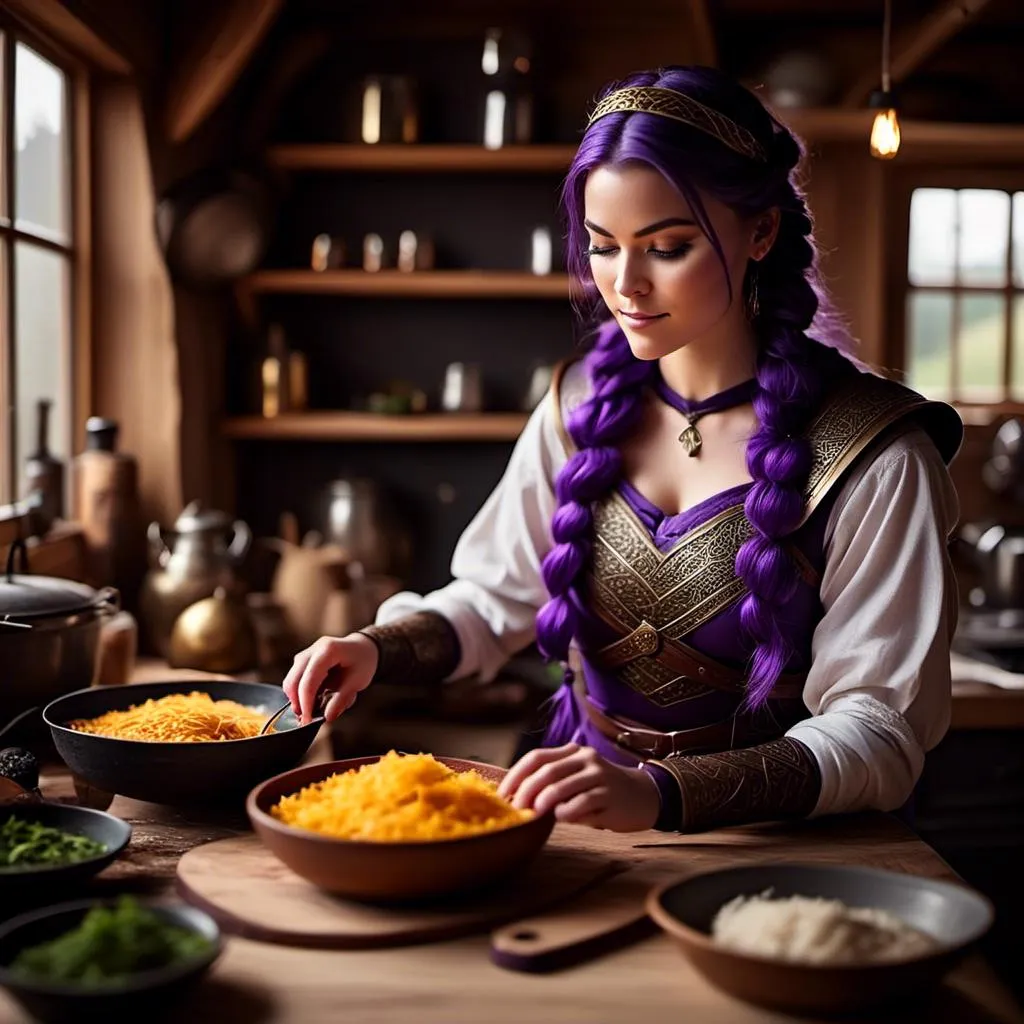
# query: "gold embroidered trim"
{"points": [[677, 106]]}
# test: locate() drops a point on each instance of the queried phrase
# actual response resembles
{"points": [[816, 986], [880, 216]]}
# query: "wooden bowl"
{"points": [[387, 871], [153, 994], [957, 917], [177, 773]]}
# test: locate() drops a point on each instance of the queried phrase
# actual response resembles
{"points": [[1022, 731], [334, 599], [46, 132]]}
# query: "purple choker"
{"points": [[738, 394]]}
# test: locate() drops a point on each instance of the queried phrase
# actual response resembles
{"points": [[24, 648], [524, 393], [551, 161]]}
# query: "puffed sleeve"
{"points": [[497, 588], [879, 686]]}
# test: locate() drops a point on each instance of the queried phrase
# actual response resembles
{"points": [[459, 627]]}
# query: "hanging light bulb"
{"points": [[885, 131]]}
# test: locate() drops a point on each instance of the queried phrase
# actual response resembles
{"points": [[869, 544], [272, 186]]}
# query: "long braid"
{"points": [[790, 370], [597, 426], [778, 456]]}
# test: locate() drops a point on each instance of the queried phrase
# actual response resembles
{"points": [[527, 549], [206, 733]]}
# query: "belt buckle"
{"points": [[625, 739]]}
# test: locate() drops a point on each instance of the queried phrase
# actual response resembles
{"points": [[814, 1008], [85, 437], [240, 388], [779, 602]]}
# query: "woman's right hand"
{"points": [[345, 664]]}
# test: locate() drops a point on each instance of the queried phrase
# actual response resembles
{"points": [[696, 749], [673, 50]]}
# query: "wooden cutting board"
{"points": [[252, 894], [608, 916]]}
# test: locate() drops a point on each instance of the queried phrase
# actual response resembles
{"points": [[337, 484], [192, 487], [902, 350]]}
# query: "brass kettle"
{"points": [[213, 635], [201, 553]]}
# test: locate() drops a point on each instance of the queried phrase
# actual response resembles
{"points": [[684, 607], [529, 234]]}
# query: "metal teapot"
{"points": [[190, 562]]}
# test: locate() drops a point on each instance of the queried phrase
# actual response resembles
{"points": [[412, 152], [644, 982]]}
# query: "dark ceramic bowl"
{"points": [[151, 993], [177, 773], [112, 832], [957, 917], [392, 872]]}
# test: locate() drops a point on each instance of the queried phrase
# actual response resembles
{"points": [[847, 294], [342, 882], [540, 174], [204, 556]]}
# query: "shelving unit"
{"points": [[446, 284], [360, 426], [446, 159]]}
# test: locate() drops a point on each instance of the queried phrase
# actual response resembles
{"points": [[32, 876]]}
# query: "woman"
{"points": [[741, 535]]}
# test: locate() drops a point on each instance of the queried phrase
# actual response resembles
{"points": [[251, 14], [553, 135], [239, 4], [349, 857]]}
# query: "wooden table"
{"points": [[454, 981]]}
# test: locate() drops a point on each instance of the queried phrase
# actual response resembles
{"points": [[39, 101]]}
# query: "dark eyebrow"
{"points": [[668, 222]]}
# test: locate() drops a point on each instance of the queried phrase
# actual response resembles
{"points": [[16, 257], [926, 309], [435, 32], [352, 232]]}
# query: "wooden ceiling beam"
{"points": [[706, 51], [69, 31], [216, 60], [914, 45]]}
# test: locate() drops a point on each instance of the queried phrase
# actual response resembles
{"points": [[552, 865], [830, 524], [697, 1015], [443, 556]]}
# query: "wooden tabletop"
{"points": [[455, 981]]}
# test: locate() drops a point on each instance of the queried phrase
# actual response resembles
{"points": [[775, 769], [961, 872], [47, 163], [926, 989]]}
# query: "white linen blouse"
{"points": [[878, 688]]}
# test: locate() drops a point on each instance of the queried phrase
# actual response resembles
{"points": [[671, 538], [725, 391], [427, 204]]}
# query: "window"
{"points": [[37, 253], [964, 312]]}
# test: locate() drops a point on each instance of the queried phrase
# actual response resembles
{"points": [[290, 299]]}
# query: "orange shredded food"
{"points": [[400, 798], [177, 718]]}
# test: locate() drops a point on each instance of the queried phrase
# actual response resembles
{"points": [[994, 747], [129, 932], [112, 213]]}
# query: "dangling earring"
{"points": [[753, 306]]}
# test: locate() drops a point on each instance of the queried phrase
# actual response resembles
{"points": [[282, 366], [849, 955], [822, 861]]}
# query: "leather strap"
{"points": [[768, 782], [651, 744], [418, 648], [646, 642]]}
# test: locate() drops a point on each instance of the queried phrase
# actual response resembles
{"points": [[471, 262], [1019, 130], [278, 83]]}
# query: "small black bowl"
{"points": [[177, 773], [155, 993], [113, 833]]}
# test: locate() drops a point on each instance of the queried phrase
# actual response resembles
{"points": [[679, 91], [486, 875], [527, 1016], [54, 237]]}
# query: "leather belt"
{"points": [[731, 734], [646, 642]]}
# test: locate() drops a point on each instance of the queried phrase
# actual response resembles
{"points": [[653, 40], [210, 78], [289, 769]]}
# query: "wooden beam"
{"points": [[55, 20], [915, 44], [215, 62], [706, 52]]}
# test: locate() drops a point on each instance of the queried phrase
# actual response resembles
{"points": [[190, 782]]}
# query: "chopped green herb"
{"points": [[110, 945], [26, 843]]}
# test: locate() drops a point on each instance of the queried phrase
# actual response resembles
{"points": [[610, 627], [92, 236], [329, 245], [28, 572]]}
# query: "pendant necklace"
{"points": [[738, 394]]}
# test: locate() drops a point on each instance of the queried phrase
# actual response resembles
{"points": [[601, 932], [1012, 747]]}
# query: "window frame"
{"points": [[77, 351], [905, 181]]}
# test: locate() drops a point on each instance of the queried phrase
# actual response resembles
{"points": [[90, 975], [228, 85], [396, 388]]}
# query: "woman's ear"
{"points": [[765, 230]]}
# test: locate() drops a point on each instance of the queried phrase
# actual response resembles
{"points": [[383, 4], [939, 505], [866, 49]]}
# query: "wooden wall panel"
{"points": [[135, 363]]}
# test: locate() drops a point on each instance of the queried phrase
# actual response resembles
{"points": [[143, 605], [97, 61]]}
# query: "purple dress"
{"points": [[677, 574]]}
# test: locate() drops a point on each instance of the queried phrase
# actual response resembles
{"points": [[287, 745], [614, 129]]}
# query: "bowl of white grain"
{"points": [[821, 939]]}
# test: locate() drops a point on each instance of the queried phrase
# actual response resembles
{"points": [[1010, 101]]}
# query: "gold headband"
{"points": [[649, 99]]}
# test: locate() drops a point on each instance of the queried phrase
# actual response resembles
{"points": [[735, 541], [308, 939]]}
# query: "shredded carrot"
{"points": [[399, 798], [178, 718]]}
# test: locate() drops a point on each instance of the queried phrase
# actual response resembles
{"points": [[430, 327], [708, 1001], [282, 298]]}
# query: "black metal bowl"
{"points": [[177, 773], [155, 993], [113, 833]]}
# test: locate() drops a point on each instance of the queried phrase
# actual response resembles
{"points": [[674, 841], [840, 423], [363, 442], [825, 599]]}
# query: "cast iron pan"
{"points": [[177, 773]]}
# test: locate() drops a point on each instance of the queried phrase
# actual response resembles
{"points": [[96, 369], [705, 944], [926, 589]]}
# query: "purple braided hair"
{"points": [[800, 338]]}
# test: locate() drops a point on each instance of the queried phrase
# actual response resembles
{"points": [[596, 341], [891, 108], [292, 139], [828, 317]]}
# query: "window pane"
{"points": [[40, 347], [932, 236], [984, 235], [980, 349], [929, 356], [41, 181], [1018, 239], [1017, 387]]}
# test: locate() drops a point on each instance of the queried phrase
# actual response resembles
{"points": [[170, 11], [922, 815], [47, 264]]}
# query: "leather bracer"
{"points": [[768, 782], [420, 648]]}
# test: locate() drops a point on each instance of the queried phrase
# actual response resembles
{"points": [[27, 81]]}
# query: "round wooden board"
{"points": [[252, 894]]}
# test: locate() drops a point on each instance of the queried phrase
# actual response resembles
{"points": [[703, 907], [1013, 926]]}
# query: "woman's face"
{"points": [[657, 272]]}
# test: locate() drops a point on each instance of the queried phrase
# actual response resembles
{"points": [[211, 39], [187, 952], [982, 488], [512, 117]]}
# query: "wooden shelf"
{"points": [[364, 426], [448, 284], [335, 157], [920, 140]]}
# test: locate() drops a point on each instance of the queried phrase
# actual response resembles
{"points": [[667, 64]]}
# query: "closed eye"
{"points": [[600, 250], [671, 254]]}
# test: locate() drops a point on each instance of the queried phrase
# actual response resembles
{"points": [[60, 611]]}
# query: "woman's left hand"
{"points": [[581, 786]]}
